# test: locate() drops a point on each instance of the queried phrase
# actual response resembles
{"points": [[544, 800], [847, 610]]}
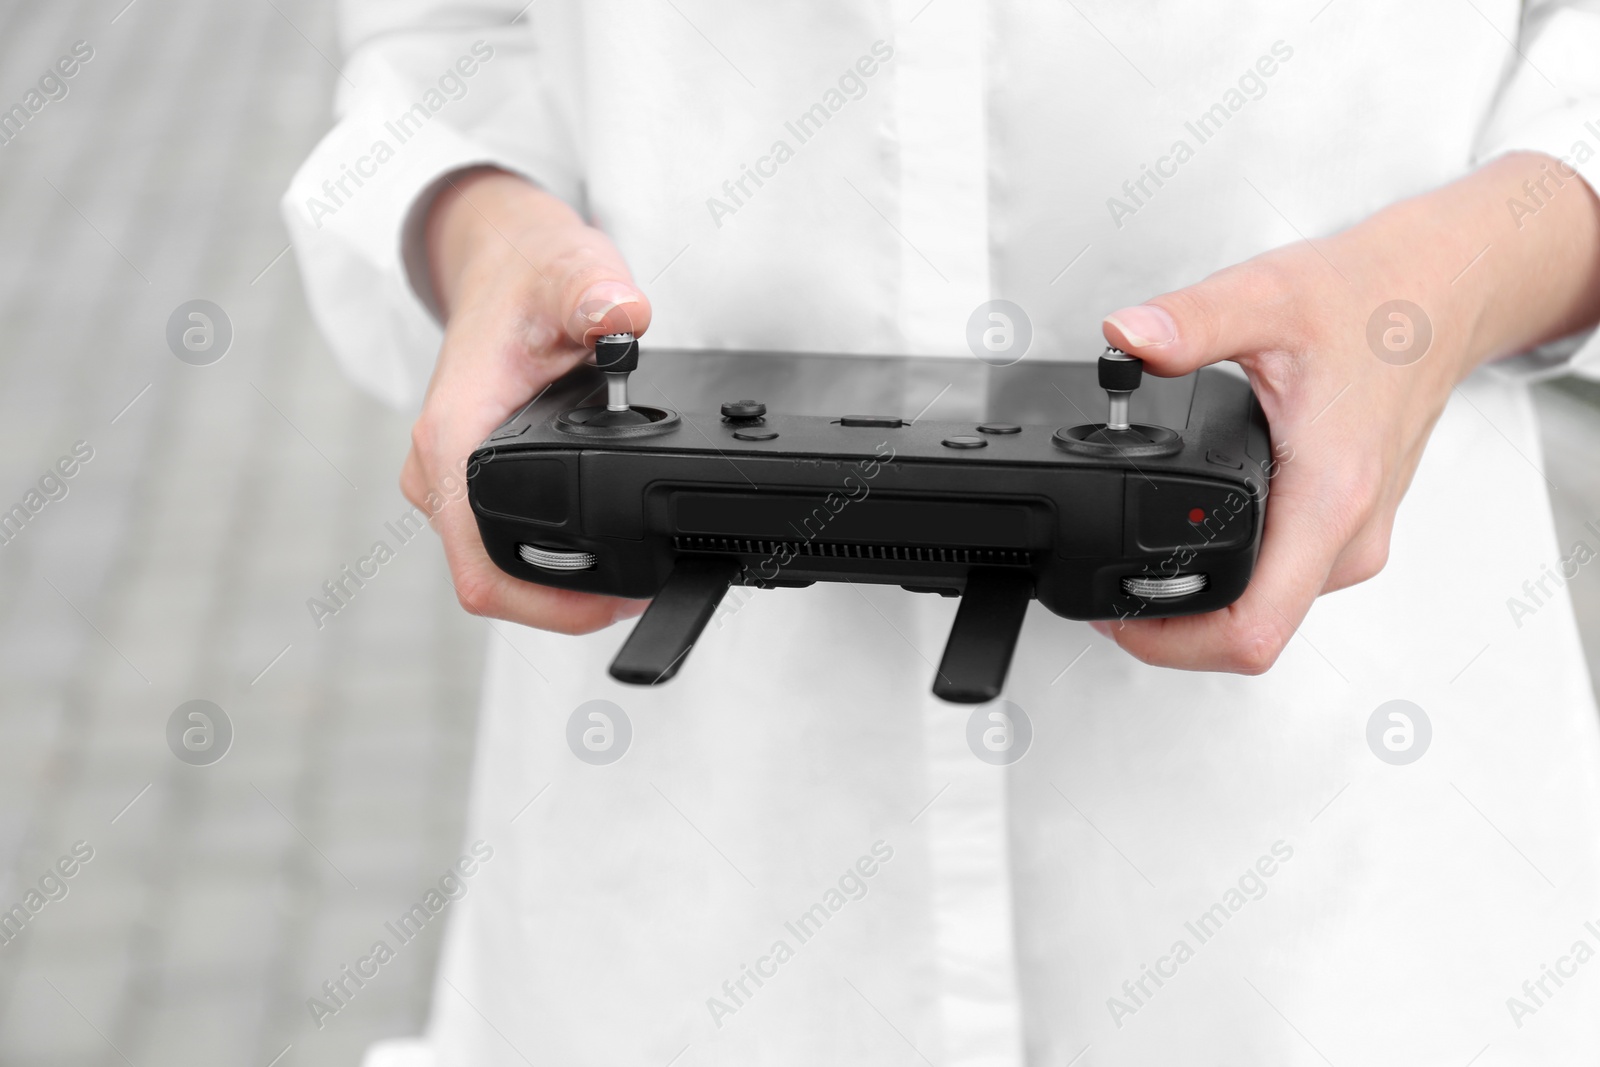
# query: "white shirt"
{"points": [[956, 152]]}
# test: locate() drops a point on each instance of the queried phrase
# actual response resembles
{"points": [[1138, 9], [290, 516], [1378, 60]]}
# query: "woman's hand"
{"points": [[1349, 417], [526, 286]]}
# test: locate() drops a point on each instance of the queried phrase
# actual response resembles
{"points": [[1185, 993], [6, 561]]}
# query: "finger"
{"points": [[1367, 553], [585, 289], [1364, 557], [483, 588], [514, 332], [413, 481], [610, 305], [1304, 536], [505, 341], [508, 341], [1235, 312], [492, 228]]}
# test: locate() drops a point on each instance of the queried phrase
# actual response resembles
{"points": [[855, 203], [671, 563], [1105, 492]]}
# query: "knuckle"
{"points": [[478, 594], [411, 480], [1254, 646], [1143, 651], [1367, 560], [424, 435]]}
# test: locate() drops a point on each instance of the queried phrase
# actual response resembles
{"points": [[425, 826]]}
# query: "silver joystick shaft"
{"points": [[617, 354], [1119, 377], [1117, 415], [617, 392]]}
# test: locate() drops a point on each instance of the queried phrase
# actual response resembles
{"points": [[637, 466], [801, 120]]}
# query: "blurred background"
{"points": [[176, 562], [218, 499]]}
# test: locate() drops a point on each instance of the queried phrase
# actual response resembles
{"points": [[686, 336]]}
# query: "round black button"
{"points": [[755, 435], [965, 441], [744, 409], [999, 428]]}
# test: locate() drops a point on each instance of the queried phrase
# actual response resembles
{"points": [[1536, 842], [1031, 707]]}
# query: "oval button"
{"points": [[965, 441], [755, 435], [999, 428]]}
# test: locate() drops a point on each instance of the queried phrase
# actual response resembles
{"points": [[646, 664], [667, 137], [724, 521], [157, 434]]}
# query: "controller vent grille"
{"points": [[989, 557]]}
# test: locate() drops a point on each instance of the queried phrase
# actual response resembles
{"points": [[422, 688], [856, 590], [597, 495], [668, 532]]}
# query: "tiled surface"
{"points": [[178, 564]]}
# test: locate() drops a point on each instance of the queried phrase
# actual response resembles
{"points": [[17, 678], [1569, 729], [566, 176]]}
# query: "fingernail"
{"points": [[602, 298], [1101, 627], [629, 609], [1144, 326]]}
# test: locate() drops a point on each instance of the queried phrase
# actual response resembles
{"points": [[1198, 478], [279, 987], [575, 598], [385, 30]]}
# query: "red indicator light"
{"points": [[1197, 515]]}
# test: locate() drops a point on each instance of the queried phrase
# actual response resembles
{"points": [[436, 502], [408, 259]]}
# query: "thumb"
{"points": [[599, 297], [1230, 314], [524, 316]]}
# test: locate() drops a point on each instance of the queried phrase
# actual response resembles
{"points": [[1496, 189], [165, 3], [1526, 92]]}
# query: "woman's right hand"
{"points": [[526, 286]]}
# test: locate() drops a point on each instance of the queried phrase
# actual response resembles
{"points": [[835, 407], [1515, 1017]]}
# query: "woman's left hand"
{"points": [[1353, 345]]}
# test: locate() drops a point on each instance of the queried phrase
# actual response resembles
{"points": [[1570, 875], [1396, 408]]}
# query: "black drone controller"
{"points": [[1097, 520]]}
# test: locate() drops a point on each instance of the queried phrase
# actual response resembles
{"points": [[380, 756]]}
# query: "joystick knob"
{"points": [[1117, 438], [1120, 374], [617, 354]]}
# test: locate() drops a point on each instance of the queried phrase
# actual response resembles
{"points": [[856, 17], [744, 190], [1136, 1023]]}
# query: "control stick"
{"points": [[617, 354], [1118, 437], [1120, 374]]}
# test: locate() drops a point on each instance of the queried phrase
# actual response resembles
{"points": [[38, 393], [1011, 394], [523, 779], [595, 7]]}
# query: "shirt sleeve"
{"points": [[1550, 102], [426, 88]]}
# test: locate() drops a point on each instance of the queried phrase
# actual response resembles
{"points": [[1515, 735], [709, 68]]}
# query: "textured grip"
{"points": [[1120, 372], [617, 353]]}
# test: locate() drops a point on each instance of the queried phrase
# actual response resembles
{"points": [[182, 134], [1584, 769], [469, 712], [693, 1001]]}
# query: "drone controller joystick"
{"points": [[617, 356], [1120, 375]]}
